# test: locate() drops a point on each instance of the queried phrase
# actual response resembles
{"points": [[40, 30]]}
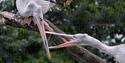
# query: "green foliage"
{"points": [[7, 5], [23, 46]]}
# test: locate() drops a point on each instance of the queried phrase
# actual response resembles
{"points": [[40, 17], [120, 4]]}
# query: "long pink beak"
{"points": [[66, 44]]}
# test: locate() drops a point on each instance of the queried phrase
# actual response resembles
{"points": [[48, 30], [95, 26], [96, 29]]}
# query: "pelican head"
{"points": [[118, 51], [79, 37], [77, 40]]}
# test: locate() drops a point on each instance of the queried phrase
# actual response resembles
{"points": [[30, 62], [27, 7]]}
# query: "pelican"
{"points": [[118, 51], [36, 8]]}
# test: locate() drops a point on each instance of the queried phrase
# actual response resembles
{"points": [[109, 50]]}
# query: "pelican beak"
{"points": [[66, 44], [60, 34]]}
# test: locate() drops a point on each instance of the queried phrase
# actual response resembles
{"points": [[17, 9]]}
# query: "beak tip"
{"points": [[53, 47]]}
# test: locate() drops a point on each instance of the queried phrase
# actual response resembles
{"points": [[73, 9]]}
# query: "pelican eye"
{"points": [[52, 1], [84, 35], [77, 36], [74, 36]]}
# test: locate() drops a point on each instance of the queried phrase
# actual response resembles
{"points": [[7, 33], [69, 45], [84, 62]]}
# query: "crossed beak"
{"points": [[66, 44]]}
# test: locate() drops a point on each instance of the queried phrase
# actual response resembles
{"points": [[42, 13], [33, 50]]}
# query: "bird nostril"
{"points": [[74, 37]]}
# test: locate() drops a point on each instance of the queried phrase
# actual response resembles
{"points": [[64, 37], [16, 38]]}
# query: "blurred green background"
{"points": [[103, 19]]}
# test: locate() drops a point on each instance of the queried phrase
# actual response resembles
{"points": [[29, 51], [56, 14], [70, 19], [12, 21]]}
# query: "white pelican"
{"points": [[36, 8], [118, 51]]}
